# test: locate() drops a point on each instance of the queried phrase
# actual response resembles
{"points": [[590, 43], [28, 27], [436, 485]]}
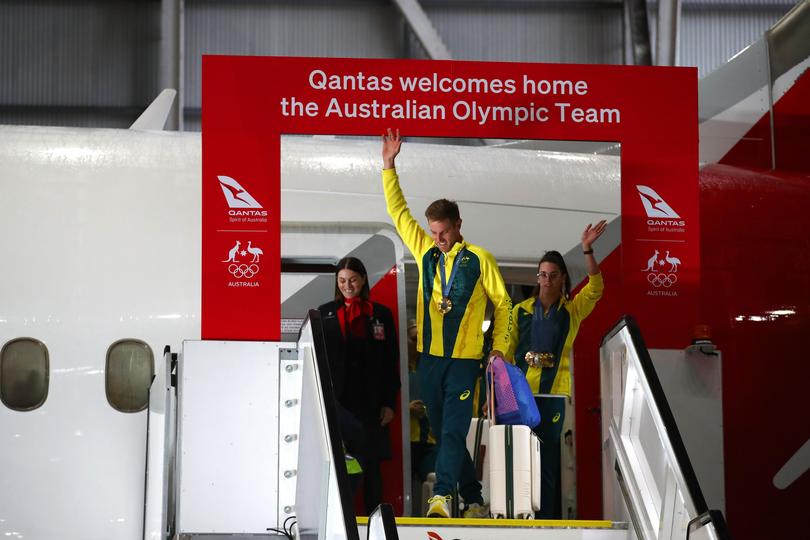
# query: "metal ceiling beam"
{"points": [[637, 32], [425, 31], [669, 18], [171, 57]]}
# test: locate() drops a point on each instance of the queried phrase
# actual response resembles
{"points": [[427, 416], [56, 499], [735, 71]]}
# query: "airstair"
{"points": [[243, 443]]}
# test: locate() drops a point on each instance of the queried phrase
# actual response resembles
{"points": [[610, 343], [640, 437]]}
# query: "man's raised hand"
{"points": [[392, 143]]}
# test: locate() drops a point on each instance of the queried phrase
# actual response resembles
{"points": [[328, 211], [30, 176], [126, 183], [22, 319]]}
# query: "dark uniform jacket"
{"points": [[365, 371]]}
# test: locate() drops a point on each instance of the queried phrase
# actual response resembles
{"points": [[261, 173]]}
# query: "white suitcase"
{"points": [[514, 468], [477, 441]]}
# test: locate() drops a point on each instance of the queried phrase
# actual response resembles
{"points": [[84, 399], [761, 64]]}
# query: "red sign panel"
{"points": [[249, 102]]}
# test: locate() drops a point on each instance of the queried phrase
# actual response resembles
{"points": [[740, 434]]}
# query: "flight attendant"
{"points": [[546, 325], [361, 346]]}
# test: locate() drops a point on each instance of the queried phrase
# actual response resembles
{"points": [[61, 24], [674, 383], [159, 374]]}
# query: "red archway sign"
{"points": [[250, 102]]}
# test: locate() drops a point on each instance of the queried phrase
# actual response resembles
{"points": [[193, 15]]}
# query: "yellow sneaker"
{"points": [[438, 506], [476, 511]]}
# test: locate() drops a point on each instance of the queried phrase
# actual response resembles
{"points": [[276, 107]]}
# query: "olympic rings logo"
{"points": [[243, 270], [662, 280]]}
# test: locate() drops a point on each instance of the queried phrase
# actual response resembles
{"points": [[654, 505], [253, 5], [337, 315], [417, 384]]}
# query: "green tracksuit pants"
{"points": [[447, 386], [552, 414]]}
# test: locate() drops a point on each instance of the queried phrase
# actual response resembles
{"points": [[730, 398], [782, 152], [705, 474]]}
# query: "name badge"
{"points": [[379, 331]]}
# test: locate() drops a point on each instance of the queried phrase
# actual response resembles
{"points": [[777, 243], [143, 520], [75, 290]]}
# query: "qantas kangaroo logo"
{"points": [[236, 195], [654, 204], [432, 535]]}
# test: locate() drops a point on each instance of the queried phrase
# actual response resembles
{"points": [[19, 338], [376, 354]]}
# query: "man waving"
{"points": [[455, 280]]}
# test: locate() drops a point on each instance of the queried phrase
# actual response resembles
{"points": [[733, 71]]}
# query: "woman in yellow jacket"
{"points": [[545, 326]]}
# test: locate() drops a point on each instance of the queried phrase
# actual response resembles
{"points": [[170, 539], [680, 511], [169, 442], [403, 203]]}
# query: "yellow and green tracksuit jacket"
{"points": [[569, 316], [457, 334]]}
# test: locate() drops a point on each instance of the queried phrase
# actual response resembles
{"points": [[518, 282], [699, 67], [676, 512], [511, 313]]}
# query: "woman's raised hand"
{"points": [[591, 233]]}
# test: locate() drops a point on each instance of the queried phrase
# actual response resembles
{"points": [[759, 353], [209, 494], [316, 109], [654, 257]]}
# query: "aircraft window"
{"points": [[130, 367], [24, 374]]}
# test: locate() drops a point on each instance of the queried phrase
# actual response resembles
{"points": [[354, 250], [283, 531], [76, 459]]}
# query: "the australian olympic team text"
{"points": [[559, 110]]}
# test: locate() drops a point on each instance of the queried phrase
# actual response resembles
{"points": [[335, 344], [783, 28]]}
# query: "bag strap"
{"points": [[509, 477], [479, 450], [479, 428], [491, 394]]}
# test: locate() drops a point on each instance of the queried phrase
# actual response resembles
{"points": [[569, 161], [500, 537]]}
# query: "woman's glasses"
{"points": [[548, 275]]}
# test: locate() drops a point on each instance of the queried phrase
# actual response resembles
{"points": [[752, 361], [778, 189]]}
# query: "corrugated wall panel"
{"points": [[540, 32], [60, 115], [348, 29], [77, 53], [709, 37], [96, 62], [712, 31]]}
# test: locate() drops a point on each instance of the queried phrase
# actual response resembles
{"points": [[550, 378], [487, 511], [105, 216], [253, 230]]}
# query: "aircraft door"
{"points": [[648, 478], [310, 253]]}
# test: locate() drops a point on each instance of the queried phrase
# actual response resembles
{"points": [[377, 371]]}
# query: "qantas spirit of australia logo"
{"points": [[243, 208], [660, 215], [433, 535]]}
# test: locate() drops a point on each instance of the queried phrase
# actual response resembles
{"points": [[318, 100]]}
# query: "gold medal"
{"points": [[445, 305], [536, 359]]}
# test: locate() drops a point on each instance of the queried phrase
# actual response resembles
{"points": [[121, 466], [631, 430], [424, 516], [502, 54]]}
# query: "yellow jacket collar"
{"points": [[457, 247]]}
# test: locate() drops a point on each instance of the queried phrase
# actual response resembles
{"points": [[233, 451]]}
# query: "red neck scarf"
{"points": [[353, 311]]}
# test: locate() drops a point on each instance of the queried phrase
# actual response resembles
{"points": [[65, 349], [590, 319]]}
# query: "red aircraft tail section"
{"points": [[779, 139], [755, 294], [772, 77]]}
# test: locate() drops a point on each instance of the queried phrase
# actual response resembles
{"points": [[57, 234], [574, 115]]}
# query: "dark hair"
{"points": [[441, 210], [554, 257], [356, 265]]}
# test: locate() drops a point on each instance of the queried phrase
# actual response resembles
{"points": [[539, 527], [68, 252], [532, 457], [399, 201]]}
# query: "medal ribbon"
{"points": [[447, 285], [548, 337], [545, 330]]}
